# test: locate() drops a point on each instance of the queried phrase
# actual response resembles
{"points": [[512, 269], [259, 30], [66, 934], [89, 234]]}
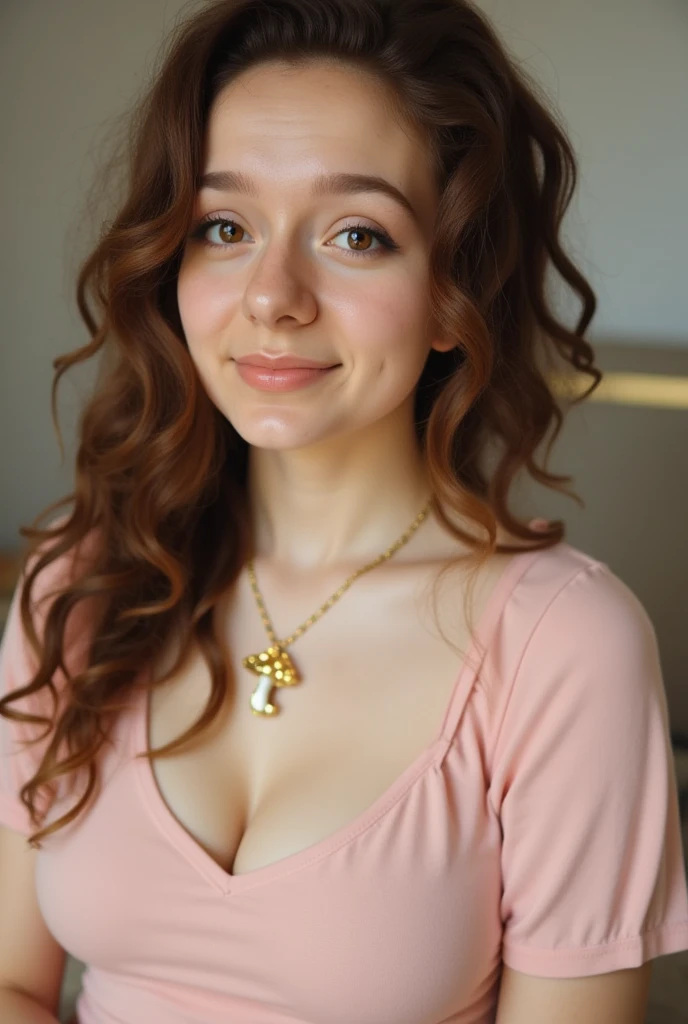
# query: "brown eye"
{"points": [[226, 228], [358, 235]]}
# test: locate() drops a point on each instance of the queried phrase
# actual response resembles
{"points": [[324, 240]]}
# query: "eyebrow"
{"points": [[324, 185]]}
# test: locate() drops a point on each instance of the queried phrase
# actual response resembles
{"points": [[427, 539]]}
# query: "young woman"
{"points": [[416, 754]]}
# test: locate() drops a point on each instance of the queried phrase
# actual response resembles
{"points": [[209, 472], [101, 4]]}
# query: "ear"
{"points": [[444, 344]]}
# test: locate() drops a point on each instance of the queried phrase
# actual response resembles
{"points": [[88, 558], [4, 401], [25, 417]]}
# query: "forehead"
{"points": [[286, 125]]}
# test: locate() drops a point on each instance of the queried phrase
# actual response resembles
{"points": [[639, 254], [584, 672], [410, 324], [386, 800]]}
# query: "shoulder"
{"points": [[571, 629], [580, 688], [60, 570], [570, 592], [583, 651], [18, 660]]}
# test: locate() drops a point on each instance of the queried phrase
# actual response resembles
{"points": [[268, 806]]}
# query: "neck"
{"points": [[321, 512]]}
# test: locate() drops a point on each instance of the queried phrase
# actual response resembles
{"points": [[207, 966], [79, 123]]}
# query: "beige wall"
{"points": [[618, 70]]}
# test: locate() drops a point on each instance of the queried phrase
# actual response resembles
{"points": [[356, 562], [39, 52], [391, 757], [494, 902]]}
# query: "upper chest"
{"points": [[377, 676]]}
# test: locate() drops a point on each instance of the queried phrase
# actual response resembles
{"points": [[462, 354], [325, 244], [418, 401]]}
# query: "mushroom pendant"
{"points": [[275, 668]]}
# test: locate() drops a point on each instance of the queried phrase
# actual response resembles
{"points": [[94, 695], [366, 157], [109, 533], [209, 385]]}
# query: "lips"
{"points": [[279, 363], [265, 379]]}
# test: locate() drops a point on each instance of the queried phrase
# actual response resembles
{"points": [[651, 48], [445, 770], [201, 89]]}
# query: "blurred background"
{"points": [[617, 70]]}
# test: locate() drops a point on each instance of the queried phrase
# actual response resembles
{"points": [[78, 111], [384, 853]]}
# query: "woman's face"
{"points": [[281, 270]]}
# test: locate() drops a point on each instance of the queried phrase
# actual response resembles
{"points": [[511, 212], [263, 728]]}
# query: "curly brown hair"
{"points": [[160, 506]]}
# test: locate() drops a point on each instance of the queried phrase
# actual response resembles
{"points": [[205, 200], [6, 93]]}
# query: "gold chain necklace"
{"points": [[273, 665]]}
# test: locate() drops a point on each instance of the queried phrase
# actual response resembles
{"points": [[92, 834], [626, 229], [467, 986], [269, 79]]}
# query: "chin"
{"points": [[273, 434]]}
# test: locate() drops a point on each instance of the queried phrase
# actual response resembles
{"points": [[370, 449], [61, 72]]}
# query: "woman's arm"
{"points": [[21, 1009]]}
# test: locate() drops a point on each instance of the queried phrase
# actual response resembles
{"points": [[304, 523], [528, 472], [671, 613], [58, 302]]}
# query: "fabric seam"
{"points": [[593, 948], [586, 569]]}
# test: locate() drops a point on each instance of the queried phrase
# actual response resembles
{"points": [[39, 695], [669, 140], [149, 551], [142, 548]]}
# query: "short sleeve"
{"points": [[584, 785]]}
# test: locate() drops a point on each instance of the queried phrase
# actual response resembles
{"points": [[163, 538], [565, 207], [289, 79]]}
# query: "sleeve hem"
{"points": [[600, 959]]}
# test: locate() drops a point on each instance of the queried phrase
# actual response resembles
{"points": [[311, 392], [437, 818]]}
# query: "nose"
{"points": [[278, 290]]}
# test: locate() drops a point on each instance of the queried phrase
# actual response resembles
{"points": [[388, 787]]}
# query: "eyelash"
{"points": [[388, 243]]}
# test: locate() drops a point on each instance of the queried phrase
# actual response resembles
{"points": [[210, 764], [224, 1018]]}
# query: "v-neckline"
{"points": [[432, 754]]}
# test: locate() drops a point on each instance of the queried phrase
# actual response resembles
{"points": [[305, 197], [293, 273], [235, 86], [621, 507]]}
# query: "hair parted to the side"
{"points": [[160, 502]]}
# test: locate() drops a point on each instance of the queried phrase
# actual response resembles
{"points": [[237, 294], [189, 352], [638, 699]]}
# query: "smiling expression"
{"points": [[311, 236]]}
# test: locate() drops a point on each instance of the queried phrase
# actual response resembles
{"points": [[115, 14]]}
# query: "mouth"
{"points": [[263, 378], [278, 367]]}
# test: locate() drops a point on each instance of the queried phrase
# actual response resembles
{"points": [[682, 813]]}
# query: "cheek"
{"points": [[386, 317], [205, 300]]}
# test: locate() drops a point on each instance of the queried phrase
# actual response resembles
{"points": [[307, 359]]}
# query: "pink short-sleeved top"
{"points": [[539, 829]]}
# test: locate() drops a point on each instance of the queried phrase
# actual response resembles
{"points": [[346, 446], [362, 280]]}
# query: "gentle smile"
{"points": [[265, 379]]}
